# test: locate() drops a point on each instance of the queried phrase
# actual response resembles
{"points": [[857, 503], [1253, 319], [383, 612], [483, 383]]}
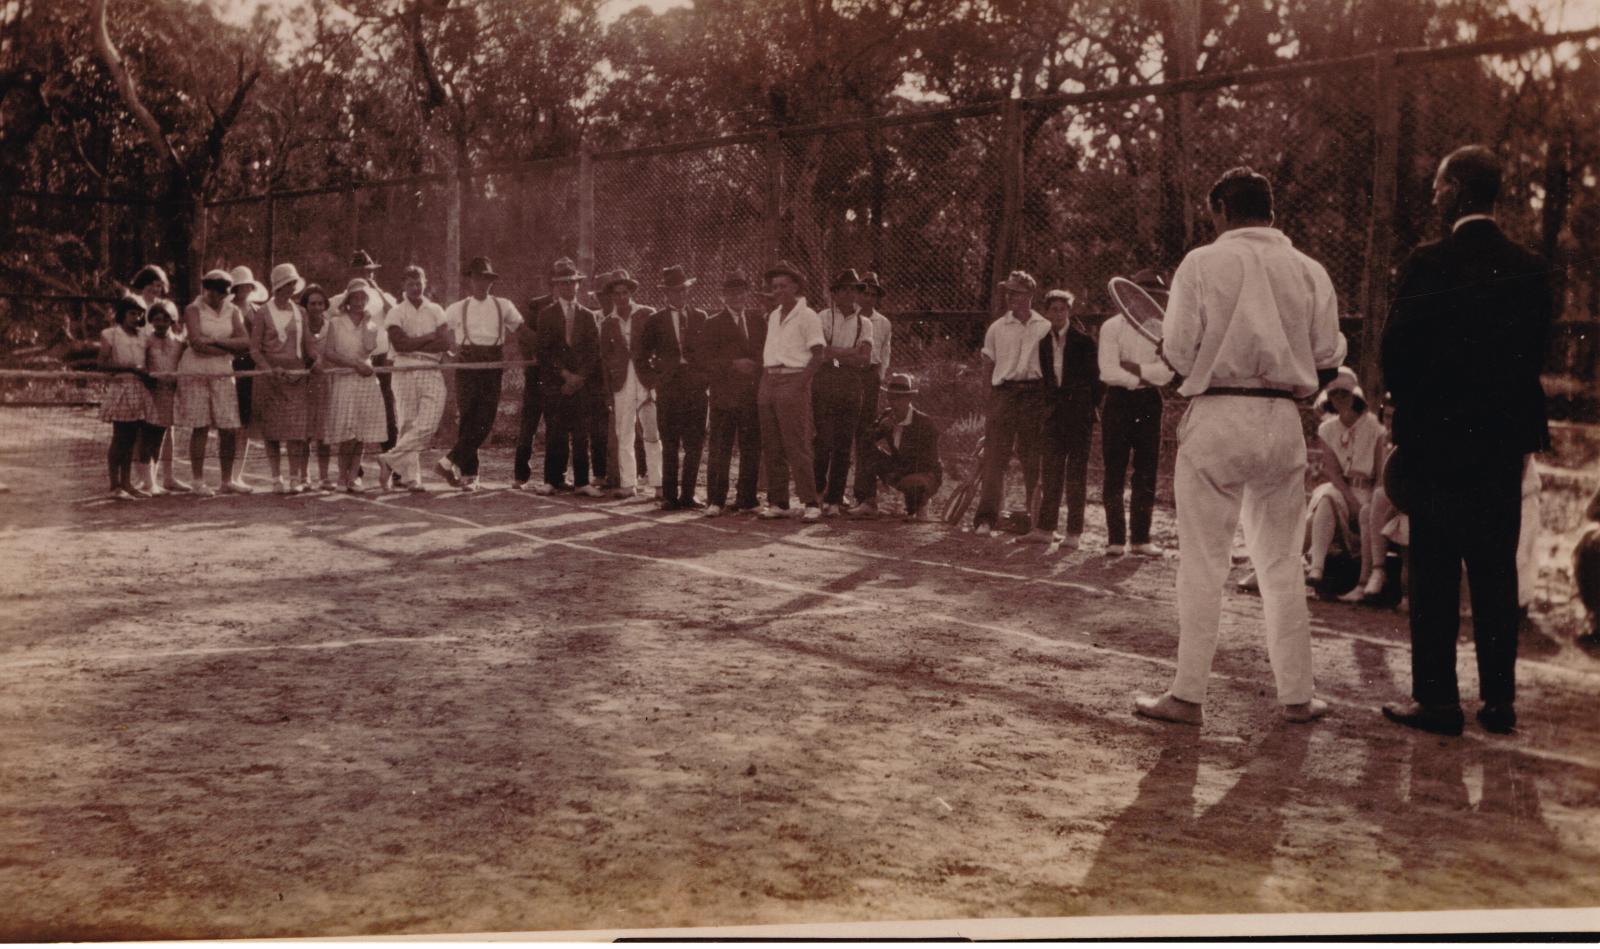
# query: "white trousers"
{"points": [[418, 403], [1242, 457], [631, 405]]}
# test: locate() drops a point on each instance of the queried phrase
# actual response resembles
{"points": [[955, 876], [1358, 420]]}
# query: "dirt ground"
{"points": [[326, 715]]}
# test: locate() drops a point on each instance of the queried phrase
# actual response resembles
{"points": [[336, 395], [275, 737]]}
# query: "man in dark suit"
{"points": [[568, 348], [674, 353], [735, 337], [1069, 365], [905, 449], [1462, 351]]}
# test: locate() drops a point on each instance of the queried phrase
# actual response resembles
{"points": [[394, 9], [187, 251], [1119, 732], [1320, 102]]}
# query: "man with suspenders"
{"points": [[837, 388], [481, 324]]}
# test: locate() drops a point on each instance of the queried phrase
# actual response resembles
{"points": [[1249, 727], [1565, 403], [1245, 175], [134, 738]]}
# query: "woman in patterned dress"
{"points": [[353, 410], [277, 342], [314, 304], [122, 353]]}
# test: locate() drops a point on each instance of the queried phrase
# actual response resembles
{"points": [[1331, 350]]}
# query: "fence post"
{"points": [[271, 229], [452, 235], [773, 214], [1380, 226], [1011, 172], [586, 212]]}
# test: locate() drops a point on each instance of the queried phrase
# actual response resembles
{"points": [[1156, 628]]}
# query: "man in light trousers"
{"points": [[421, 336], [1252, 325]]}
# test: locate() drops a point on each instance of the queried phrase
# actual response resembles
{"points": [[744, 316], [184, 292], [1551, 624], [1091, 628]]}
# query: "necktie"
{"points": [[566, 315], [677, 330]]}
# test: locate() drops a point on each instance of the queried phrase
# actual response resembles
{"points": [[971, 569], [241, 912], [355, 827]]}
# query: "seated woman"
{"points": [[1352, 444], [1377, 523]]}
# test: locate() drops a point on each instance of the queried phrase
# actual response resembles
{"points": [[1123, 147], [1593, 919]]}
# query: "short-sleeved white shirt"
{"points": [[790, 337], [415, 321], [882, 337], [479, 322], [1013, 346]]}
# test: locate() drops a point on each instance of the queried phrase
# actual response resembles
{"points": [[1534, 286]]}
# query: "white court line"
{"points": [[1579, 761], [77, 658]]}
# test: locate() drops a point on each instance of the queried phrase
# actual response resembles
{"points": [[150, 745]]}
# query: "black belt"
{"points": [[1250, 393]]}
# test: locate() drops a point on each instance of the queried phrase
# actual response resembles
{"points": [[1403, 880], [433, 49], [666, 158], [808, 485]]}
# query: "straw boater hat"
{"points": [[846, 278], [901, 383], [869, 283], [285, 273], [241, 276], [674, 278], [563, 270], [361, 260], [736, 280], [1020, 282], [620, 275], [480, 267], [786, 269]]}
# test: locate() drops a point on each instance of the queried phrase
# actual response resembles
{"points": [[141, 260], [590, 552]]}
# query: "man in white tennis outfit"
{"points": [[1252, 325]]}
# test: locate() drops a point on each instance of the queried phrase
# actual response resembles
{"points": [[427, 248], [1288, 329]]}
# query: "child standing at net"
{"points": [[122, 353], [353, 413], [151, 286], [162, 352]]}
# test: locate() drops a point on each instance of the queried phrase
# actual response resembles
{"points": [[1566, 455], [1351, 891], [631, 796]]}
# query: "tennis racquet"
{"points": [[1142, 310], [956, 508]]}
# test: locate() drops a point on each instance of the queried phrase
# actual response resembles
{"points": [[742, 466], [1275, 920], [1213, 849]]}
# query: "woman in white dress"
{"points": [[206, 396], [1352, 458], [353, 407]]}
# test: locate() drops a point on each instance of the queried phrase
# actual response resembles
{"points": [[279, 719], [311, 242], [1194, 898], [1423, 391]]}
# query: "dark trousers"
{"points": [[150, 437], [835, 411], [532, 411], [1065, 463], [681, 417], [119, 456], [478, 399], [1012, 427], [566, 431], [1474, 518], [917, 487], [866, 487], [1130, 427], [600, 432], [386, 388], [741, 424]]}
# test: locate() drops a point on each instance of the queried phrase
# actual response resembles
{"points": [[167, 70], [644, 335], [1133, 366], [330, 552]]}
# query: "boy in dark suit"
{"points": [[673, 355], [1069, 364], [568, 348], [735, 337], [905, 453]]}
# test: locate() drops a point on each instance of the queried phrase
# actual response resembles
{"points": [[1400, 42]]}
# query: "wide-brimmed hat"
{"points": [[480, 267], [1020, 281], [1345, 381], [871, 284], [1057, 294], [606, 281], [361, 260], [847, 277], [736, 280], [564, 269], [357, 285], [674, 277], [241, 276], [786, 269], [218, 276], [901, 383], [151, 273], [285, 273]]}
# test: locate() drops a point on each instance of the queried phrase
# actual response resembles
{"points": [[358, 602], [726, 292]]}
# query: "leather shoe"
{"points": [[1500, 719], [1438, 719], [1167, 708]]}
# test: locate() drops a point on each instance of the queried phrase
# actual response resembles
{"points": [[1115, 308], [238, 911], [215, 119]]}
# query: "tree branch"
{"points": [[114, 64]]}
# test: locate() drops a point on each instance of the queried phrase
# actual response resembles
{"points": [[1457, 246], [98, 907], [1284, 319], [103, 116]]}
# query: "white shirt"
{"points": [[279, 320], [415, 321], [478, 322], [1013, 346], [882, 337], [1120, 343], [378, 303], [790, 337], [1250, 310]]}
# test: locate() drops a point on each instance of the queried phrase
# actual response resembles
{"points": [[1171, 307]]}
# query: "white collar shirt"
{"points": [[1468, 218], [483, 322], [414, 320], [1249, 310], [1121, 343], [791, 336], [882, 338], [1013, 346]]}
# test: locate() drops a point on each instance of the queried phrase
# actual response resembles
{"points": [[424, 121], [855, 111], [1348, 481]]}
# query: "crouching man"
{"points": [[905, 449]]}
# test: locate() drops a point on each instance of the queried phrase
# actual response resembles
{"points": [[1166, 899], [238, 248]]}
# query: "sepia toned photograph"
{"points": [[858, 468]]}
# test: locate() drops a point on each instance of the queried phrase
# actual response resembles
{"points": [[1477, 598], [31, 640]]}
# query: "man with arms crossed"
{"points": [[789, 357], [1252, 325], [420, 335], [1011, 345]]}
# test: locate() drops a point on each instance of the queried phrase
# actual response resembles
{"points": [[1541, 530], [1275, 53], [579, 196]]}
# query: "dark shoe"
{"points": [[1500, 719], [691, 504], [1438, 719], [668, 504]]}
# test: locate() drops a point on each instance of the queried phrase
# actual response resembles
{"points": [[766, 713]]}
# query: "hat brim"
{"points": [[298, 281], [629, 282], [486, 274], [889, 391], [258, 295], [784, 272], [686, 284], [1010, 287], [563, 278]]}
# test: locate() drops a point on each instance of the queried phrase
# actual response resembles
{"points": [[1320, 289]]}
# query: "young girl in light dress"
{"points": [[151, 287], [122, 353], [314, 303], [353, 410], [163, 349]]}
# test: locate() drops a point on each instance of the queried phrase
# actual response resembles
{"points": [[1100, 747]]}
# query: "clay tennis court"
{"points": [[329, 715]]}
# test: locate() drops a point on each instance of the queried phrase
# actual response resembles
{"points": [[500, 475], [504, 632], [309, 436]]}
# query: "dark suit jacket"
{"points": [[663, 364], [919, 444], [1080, 364], [581, 356], [724, 344], [1463, 348], [616, 352], [527, 335]]}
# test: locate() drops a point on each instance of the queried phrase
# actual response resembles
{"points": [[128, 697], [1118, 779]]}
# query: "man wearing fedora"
{"points": [[735, 337], [379, 303], [870, 297], [789, 357], [419, 332], [1011, 346], [1130, 425], [569, 363], [904, 452], [673, 353], [836, 390], [1462, 351], [633, 405], [1068, 363], [481, 325]]}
